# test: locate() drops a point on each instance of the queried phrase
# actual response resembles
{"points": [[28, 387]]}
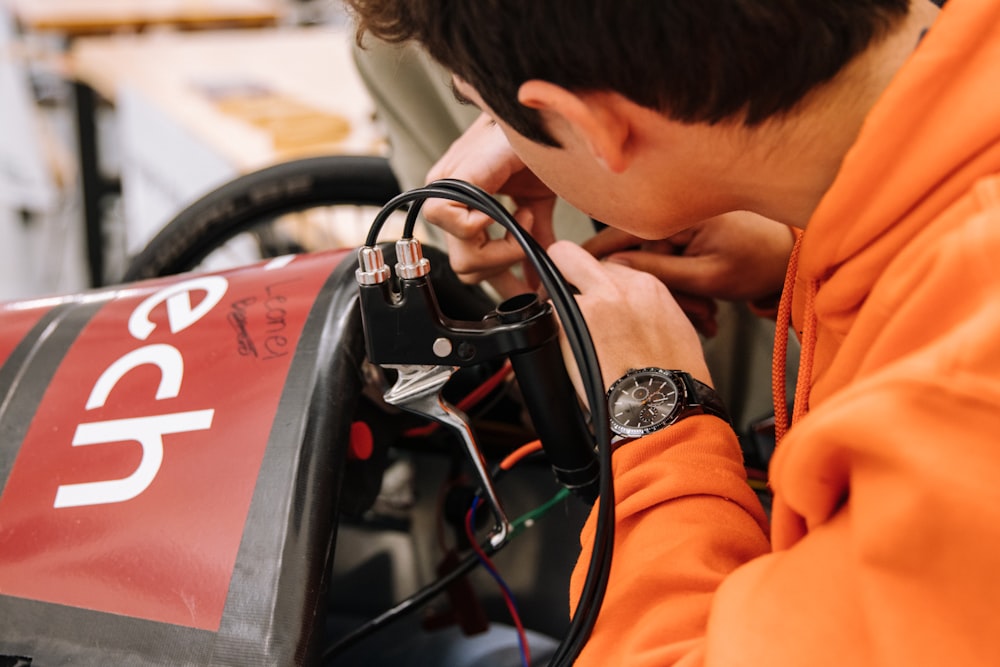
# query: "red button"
{"points": [[362, 442]]}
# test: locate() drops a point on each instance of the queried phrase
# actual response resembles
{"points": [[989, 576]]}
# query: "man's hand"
{"points": [[735, 256], [483, 157], [633, 319]]}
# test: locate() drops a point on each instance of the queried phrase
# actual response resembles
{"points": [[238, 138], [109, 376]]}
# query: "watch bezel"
{"points": [[639, 431]]}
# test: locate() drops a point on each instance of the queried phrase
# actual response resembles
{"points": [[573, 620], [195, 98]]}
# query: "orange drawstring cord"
{"points": [[803, 384], [783, 323], [783, 320]]}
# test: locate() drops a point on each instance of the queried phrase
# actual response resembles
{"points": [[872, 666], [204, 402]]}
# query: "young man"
{"points": [[873, 125]]}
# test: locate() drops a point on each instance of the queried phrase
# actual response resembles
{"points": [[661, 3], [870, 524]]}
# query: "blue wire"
{"points": [[500, 582]]}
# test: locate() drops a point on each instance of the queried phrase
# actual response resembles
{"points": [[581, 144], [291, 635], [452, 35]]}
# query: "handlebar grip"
{"points": [[555, 413]]}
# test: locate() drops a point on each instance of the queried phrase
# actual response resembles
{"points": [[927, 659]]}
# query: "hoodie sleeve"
{"points": [[895, 567], [685, 518]]}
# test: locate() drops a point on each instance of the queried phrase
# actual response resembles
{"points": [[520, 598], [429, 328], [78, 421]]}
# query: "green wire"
{"points": [[524, 521]]}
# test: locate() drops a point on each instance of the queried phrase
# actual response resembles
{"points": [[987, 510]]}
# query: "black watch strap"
{"points": [[706, 398]]}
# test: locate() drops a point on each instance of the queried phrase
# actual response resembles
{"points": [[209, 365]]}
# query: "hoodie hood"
{"points": [[930, 132], [933, 133]]}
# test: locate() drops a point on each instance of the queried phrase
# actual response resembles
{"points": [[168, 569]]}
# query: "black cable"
{"points": [[410, 604], [578, 336], [579, 339]]}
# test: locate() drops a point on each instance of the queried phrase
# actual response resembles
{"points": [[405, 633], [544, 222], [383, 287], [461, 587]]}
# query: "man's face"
{"points": [[570, 171], [658, 194]]}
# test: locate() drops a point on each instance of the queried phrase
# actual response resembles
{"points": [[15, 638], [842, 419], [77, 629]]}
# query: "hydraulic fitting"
{"points": [[412, 263], [372, 269]]}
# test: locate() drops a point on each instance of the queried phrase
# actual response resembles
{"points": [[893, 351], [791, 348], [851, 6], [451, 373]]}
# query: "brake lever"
{"points": [[418, 390], [406, 327]]}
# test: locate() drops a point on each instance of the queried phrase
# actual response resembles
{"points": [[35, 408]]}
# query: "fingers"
{"points": [[679, 274], [456, 219], [610, 240], [481, 257], [683, 273], [633, 319], [658, 258], [577, 265], [735, 256], [481, 156]]}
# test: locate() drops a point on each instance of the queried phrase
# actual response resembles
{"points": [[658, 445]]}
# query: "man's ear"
{"points": [[599, 120]]}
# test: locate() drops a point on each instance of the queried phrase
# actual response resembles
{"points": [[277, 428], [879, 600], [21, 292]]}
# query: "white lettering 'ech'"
{"points": [[147, 431], [180, 313]]}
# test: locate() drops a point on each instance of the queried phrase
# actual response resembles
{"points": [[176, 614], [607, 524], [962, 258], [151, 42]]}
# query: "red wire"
{"points": [[521, 635], [476, 395]]}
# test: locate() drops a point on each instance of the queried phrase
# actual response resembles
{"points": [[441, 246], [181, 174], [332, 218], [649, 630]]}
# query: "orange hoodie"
{"points": [[885, 537]]}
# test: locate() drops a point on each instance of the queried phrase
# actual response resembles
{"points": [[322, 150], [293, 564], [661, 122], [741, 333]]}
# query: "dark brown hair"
{"points": [[693, 60]]}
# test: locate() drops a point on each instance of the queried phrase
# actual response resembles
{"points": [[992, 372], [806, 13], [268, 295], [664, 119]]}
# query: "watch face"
{"points": [[642, 402]]}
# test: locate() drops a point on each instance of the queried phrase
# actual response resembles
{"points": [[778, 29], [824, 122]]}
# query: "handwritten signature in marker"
{"points": [[237, 318]]}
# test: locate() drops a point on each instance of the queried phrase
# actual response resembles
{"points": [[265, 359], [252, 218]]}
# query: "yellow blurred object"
{"points": [[294, 126]]}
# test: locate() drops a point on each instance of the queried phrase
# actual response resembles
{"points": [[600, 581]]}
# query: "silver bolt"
{"points": [[442, 347]]}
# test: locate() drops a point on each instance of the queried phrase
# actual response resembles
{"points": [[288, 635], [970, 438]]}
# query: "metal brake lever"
{"points": [[418, 390]]}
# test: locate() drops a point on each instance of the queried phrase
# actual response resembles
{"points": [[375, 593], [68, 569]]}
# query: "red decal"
{"points": [[131, 490]]}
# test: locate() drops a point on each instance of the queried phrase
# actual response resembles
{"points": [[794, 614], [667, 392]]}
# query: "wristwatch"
{"points": [[645, 400]]}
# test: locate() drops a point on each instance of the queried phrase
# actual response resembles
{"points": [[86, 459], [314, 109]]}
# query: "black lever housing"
{"points": [[408, 327]]}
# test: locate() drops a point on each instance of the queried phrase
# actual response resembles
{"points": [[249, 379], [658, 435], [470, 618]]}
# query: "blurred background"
{"points": [[116, 114]]}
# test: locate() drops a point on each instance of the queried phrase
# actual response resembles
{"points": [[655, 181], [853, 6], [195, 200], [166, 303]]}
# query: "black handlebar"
{"points": [[552, 403], [408, 327]]}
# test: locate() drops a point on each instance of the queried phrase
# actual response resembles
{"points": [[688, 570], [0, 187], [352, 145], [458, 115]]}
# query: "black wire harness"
{"points": [[578, 336]]}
